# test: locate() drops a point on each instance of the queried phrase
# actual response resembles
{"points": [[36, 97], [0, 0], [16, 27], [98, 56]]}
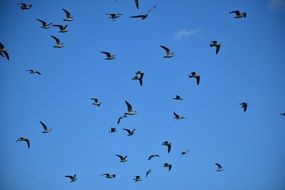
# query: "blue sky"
{"points": [[249, 67]]}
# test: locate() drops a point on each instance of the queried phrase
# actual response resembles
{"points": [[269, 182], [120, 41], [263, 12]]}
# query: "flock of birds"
{"points": [[139, 75]]}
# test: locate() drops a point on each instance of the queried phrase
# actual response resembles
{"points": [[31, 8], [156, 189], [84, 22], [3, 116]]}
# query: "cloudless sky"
{"points": [[249, 67]]}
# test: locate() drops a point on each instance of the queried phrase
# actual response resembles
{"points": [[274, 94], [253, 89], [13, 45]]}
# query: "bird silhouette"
{"points": [[62, 28], [147, 173], [109, 56], [72, 178], [109, 176], [46, 129], [177, 97], [238, 14], [167, 165], [31, 71], [130, 132], [215, 44], [3, 50], [25, 6], [114, 16], [168, 52], [96, 102], [168, 144], [122, 158], [139, 76], [178, 117], [26, 140], [244, 106], [130, 109], [67, 15], [196, 76], [137, 178], [44, 25], [143, 16], [58, 44], [153, 156], [219, 167]]}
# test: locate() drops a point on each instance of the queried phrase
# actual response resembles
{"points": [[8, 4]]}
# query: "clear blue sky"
{"points": [[249, 67]]}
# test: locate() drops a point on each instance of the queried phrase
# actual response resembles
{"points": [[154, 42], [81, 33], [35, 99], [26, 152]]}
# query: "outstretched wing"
{"points": [[67, 13], [44, 125], [130, 108], [151, 9], [56, 39], [137, 3]]}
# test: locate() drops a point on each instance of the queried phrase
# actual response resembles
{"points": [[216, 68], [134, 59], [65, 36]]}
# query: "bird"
{"points": [[68, 15], [122, 158], [238, 14], [3, 50], [45, 25], [177, 117], [168, 144], [167, 165], [109, 56], [283, 114], [219, 167], [72, 178], [137, 3], [113, 130], [109, 176], [215, 44], [96, 102], [130, 132], [168, 52], [114, 16], [196, 76], [177, 97], [143, 16], [46, 129], [244, 106], [153, 156], [31, 71], [137, 178], [62, 28], [139, 76], [58, 43], [120, 118], [24, 139], [25, 6], [185, 152], [130, 109], [147, 173]]}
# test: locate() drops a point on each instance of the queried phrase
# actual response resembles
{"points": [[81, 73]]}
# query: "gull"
{"points": [[238, 14], [137, 3], [109, 56], [139, 76], [45, 25], [148, 172], [152, 156], [46, 129], [177, 97], [72, 178], [177, 117], [24, 139], [114, 16], [168, 144], [168, 52], [137, 178], [215, 44], [109, 176], [283, 114], [58, 43], [122, 158], [130, 132], [62, 28], [113, 130], [31, 71], [96, 102], [185, 152], [3, 50], [121, 117], [68, 16], [167, 165], [143, 16], [219, 167], [25, 6], [196, 76], [130, 109], [244, 106]]}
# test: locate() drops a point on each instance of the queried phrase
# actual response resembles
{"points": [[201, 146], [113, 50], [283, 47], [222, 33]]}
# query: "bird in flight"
{"points": [[62, 28], [109, 176], [130, 109], [44, 25], [58, 43], [68, 15], [72, 178], [168, 52], [25, 6], [96, 102], [177, 117], [215, 44], [196, 76], [122, 158], [167, 165], [185, 152], [238, 14], [130, 132], [46, 129], [143, 16], [137, 178], [113, 130], [168, 144], [147, 173], [244, 106], [120, 118], [139, 76], [31, 71], [177, 97], [153, 156], [219, 167], [3, 50], [24, 139], [114, 16], [109, 56]]}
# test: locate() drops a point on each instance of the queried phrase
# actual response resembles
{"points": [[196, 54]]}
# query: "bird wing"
{"points": [[151, 9], [169, 167], [168, 148], [236, 12], [198, 80], [137, 3], [69, 176], [175, 114], [44, 125], [1, 46], [6, 54], [128, 130], [56, 39], [130, 108], [137, 16], [27, 141], [43, 22], [108, 54], [218, 49], [141, 81], [121, 157], [66, 12], [218, 165], [57, 25], [1, 54], [166, 49]]}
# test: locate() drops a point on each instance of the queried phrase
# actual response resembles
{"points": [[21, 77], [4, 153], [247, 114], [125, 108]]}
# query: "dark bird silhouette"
{"points": [[68, 16], [143, 16], [137, 3], [168, 144], [153, 156], [177, 97], [109, 176], [130, 132], [96, 102], [147, 173], [25, 6], [167, 165], [219, 167], [238, 14], [44, 25], [3, 50], [62, 28], [130, 109], [283, 114], [120, 118], [139, 76], [196, 76], [177, 117], [122, 158], [168, 52], [113, 130], [24, 139], [216, 45], [31, 71], [114, 16], [109, 56], [137, 178], [58, 44], [46, 129], [244, 106], [72, 178], [185, 152]]}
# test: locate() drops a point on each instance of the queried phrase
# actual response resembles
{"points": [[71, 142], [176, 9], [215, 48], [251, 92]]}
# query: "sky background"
{"points": [[249, 67]]}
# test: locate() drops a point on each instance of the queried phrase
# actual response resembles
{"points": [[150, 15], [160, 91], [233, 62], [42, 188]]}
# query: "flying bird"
{"points": [[168, 52], [215, 44], [3, 50], [72, 178], [46, 129], [58, 43], [137, 3], [244, 106], [153, 156], [143, 16], [147, 173], [196, 76], [113, 130], [122, 158], [130, 132], [114, 16], [139, 76], [177, 97], [120, 118], [68, 15], [177, 117], [219, 167], [25, 6], [167, 165], [24, 139], [185, 152], [137, 178], [96, 102], [31, 71], [238, 14], [62, 28], [109, 176], [168, 144], [44, 25], [130, 109], [109, 56]]}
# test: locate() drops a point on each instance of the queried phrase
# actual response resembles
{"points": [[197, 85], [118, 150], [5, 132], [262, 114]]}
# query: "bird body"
{"points": [[72, 178], [96, 102], [244, 106], [46, 129], [130, 132], [58, 43], [167, 165], [3, 50], [31, 71], [139, 76], [137, 178], [153, 156], [238, 14], [44, 25], [219, 167], [168, 52], [196, 76], [147, 173], [130, 109], [109, 176], [168, 144], [185, 152], [177, 97], [120, 118], [62, 28], [113, 130], [68, 16], [25, 6], [215, 44], [122, 158], [109, 56], [178, 117], [24, 139], [114, 16]]}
